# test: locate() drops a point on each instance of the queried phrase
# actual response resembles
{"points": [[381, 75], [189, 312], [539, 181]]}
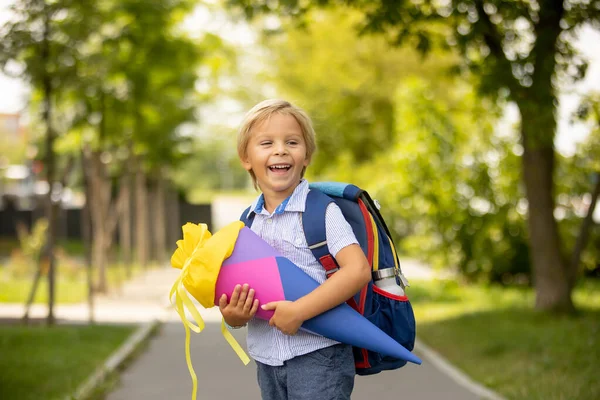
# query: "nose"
{"points": [[280, 149]]}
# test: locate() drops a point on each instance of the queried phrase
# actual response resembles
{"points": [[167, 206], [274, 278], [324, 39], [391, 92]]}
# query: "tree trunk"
{"points": [[32, 291], [173, 222], [86, 231], [51, 208], [104, 212], [44, 261], [100, 210], [550, 278], [584, 233], [158, 212], [125, 223], [113, 212], [537, 105], [141, 216], [98, 202]]}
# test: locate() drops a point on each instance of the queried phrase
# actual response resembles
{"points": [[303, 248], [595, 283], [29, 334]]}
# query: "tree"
{"points": [[218, 161], [347, 84], [42, 40], [517, 49], [116, 79], [455, 187], [417, 137], [576, 202], [136, 88]]}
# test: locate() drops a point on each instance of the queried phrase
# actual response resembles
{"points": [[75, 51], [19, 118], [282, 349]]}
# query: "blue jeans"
{"points": [[325, 374]]}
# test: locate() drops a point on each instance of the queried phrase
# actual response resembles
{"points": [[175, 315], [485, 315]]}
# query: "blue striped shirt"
{"points": [[283, 230]]}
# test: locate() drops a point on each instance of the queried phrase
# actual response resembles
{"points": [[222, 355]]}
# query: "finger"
{"points": [[223, 301], [243, 295], [249, 301], [272, 322], [254, 308], [235, 295], [270, 306]]}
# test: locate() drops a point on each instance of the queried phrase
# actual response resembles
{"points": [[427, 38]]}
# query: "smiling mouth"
{"points": [[280, 167]]}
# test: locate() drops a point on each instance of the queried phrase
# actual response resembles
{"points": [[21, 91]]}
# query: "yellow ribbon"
{"points": [[199, 256]]}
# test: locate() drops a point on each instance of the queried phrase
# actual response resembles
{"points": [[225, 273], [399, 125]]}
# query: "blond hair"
{"points": [[262, 112]]}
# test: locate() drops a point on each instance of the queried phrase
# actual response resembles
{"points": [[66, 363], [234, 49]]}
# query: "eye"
{"points": [[292, 142], [265, 143]]}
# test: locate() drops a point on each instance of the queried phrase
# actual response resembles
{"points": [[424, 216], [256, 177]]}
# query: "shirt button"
{"points": [[298, 242], [269, 221]]}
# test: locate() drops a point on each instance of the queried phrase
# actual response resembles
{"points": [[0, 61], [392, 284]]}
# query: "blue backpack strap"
{"points": [[247, 219], [313, 223]]}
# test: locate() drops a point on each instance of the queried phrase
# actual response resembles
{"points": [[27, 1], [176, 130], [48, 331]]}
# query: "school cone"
{"points": [[275, 278]]}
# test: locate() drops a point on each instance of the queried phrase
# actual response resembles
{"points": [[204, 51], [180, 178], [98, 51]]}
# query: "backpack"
{"points": [[391, 313]]}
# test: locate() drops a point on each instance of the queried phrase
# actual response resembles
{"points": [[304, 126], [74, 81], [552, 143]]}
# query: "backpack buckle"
{"points": [[377, 204], [317, 245], [328, 262], [384, 273], [403, 280]]}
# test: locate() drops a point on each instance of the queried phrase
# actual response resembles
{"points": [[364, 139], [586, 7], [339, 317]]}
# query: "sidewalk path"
{"points": [[161, 371]]}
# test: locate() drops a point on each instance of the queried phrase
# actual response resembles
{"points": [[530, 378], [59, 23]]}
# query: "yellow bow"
{"points": [[199, 256]]}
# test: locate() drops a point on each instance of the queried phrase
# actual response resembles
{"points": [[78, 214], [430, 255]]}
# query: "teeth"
{"points": [[280, 166]]}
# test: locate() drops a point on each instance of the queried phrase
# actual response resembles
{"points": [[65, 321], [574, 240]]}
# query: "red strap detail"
{"points": [[365, 358], [389, 295], [352, 303], [370, 250], [364, 363], [369, 228], [328, 262]]}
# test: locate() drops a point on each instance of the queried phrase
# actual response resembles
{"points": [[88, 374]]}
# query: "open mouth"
{"points": [[280, 167]]}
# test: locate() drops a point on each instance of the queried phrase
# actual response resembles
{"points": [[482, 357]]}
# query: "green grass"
{"points": [[495, 336], [68, 291], [49, 363], [71, 246], [7, 245]]}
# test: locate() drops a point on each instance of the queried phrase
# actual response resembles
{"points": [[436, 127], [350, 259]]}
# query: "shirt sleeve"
{"points": [[338, 231]]}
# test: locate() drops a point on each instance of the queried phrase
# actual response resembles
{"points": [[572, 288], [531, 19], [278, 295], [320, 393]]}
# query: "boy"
{"points": [[275, 145]]}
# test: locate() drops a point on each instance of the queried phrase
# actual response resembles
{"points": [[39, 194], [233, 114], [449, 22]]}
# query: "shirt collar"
{"points": [[296, 202]]}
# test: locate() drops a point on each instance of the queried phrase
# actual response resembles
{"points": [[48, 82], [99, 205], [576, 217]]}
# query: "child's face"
{"points": [[276, 153]]}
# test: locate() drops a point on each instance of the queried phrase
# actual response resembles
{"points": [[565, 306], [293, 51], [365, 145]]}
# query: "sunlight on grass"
{"points": [[68, 290], [39, 362], [437, 300], [17, 291], [495, 336]]}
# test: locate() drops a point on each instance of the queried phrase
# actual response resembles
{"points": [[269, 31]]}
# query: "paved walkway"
{"points": [[161, 372], [140, 300]]}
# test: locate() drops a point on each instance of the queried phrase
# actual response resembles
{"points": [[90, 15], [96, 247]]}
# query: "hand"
{"points": [[286, 317], [241, 307]]}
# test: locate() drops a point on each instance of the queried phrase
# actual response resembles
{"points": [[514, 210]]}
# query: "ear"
{"points": [[306, 161], [246, 164]]}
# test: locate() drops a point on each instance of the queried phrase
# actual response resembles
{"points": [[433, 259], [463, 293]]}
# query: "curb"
{"points": [[454, 373], [116, 359]]}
